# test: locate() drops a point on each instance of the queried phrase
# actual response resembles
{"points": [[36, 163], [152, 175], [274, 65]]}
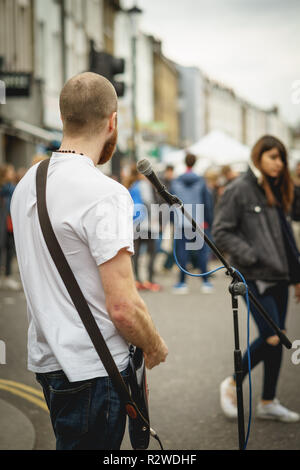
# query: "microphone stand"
{"points": [[236, 288]]}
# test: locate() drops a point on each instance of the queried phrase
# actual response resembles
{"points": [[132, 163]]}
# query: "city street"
{"points": [[184, 392], [202, 102]]}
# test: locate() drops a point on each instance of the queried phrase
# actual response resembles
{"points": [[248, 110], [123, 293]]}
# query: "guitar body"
{"points": [[139, 428]]}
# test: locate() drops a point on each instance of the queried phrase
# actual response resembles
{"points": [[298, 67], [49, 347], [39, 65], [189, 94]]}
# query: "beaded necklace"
{"points": [[68, 151]]}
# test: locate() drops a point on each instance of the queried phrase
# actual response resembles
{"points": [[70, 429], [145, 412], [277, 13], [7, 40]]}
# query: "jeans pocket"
{"points": [[69, 407]]}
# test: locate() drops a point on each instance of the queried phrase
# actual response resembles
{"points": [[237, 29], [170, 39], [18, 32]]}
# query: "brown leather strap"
{"points": [[73, 288]]}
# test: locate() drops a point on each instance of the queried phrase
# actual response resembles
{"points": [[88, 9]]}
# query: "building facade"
{"points": [[17, 57], [224, 111], [144, 96], [166, 93], [244, 121], [64, 31], [192, 99], [51, 40]]}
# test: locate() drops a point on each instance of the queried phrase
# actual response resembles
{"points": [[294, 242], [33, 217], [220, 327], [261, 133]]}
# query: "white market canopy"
{"points": [[213, 150]]}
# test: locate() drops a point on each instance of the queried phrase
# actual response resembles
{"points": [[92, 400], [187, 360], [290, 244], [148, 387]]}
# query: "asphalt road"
{"points": [[184, 392]]}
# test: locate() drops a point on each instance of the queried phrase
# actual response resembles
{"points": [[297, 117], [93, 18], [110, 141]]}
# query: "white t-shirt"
{"points": [[91, 215]]}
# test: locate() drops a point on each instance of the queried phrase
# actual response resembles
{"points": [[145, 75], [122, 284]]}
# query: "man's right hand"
{"points": [[156, 357]]}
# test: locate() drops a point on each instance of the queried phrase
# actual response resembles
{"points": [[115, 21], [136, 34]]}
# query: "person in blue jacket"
{"points": [[146, 227], [197, 198]]}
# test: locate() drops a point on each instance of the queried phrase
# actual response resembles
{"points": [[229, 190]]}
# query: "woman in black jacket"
{"points": [[251, 225]]}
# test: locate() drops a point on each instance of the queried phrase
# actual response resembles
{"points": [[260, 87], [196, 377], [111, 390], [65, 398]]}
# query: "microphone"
{"points": [[145, 168]]}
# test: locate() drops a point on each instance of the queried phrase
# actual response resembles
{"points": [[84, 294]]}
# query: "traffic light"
{"points": [[107, 65], [117, 66]]}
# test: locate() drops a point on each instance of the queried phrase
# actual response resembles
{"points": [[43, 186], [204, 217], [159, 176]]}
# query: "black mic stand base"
{"points": [[237, 288]]}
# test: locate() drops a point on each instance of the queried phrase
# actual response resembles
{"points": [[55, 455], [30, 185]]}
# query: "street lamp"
{"points": [[134, 15]]}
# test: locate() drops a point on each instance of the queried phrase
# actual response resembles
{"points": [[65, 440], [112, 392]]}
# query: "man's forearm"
{"points": [[134, 324]]}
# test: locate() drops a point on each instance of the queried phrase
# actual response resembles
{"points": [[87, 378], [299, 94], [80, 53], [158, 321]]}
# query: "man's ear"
{"points": [[113, 120]]}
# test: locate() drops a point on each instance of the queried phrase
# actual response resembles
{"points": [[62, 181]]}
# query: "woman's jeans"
{"points": [[275, 302], [86, 415]]}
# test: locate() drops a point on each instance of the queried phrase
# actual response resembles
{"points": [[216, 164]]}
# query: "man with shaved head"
{"points": [[91, 215]]}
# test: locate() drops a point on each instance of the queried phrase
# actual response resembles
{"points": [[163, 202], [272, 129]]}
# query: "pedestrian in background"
{"points": [[192, 191], [212, 178], [296, 206], [251, 225], [165, 241], [227, 174], [7, 246], [39, 157], [146, 227], [21, 172]]}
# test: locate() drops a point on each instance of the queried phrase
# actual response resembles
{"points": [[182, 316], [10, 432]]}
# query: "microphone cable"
{"points": [[155, 436], [248, 327]]}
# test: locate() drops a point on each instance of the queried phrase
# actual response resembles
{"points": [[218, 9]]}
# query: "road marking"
{"points": [[26, 396], [32, 390]]}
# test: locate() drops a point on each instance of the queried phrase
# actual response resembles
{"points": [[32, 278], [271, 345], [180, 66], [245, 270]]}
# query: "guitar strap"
{"points": [[77, 296]]}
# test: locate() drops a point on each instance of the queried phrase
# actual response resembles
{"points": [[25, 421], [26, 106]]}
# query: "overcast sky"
{"points": [[252, 46]]}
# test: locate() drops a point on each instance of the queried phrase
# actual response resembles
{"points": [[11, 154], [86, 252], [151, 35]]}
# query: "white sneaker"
{"points": [[228, 399], [275, 411], [207, 288], [181, 288], [11, 284]]}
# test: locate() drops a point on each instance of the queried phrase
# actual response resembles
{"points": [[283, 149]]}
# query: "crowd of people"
{"points": [[255, 220], [153, 223], [236, 211], [156, 227]]}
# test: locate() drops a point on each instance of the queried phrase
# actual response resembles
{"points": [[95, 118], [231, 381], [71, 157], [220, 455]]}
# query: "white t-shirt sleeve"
{"points": [[108, 226]]}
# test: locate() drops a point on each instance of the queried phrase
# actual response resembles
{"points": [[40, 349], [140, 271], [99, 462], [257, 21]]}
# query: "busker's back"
{"points": [[79, 196]]}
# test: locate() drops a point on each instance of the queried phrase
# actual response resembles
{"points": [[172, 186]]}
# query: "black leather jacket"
{"points": [[250, 232]]}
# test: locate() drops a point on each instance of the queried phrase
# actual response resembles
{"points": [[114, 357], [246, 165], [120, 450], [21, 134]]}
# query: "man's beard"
{"points": [[108, 149]]}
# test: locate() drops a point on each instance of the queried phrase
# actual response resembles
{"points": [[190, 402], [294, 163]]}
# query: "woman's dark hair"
{"points": [[286, 186]]}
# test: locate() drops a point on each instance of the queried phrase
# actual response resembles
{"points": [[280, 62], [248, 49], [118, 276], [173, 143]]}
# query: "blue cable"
{"points": [[248, 329]]}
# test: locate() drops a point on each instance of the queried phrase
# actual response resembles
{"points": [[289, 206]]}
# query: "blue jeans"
{"points": [[86, 415], [275, 302]]}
